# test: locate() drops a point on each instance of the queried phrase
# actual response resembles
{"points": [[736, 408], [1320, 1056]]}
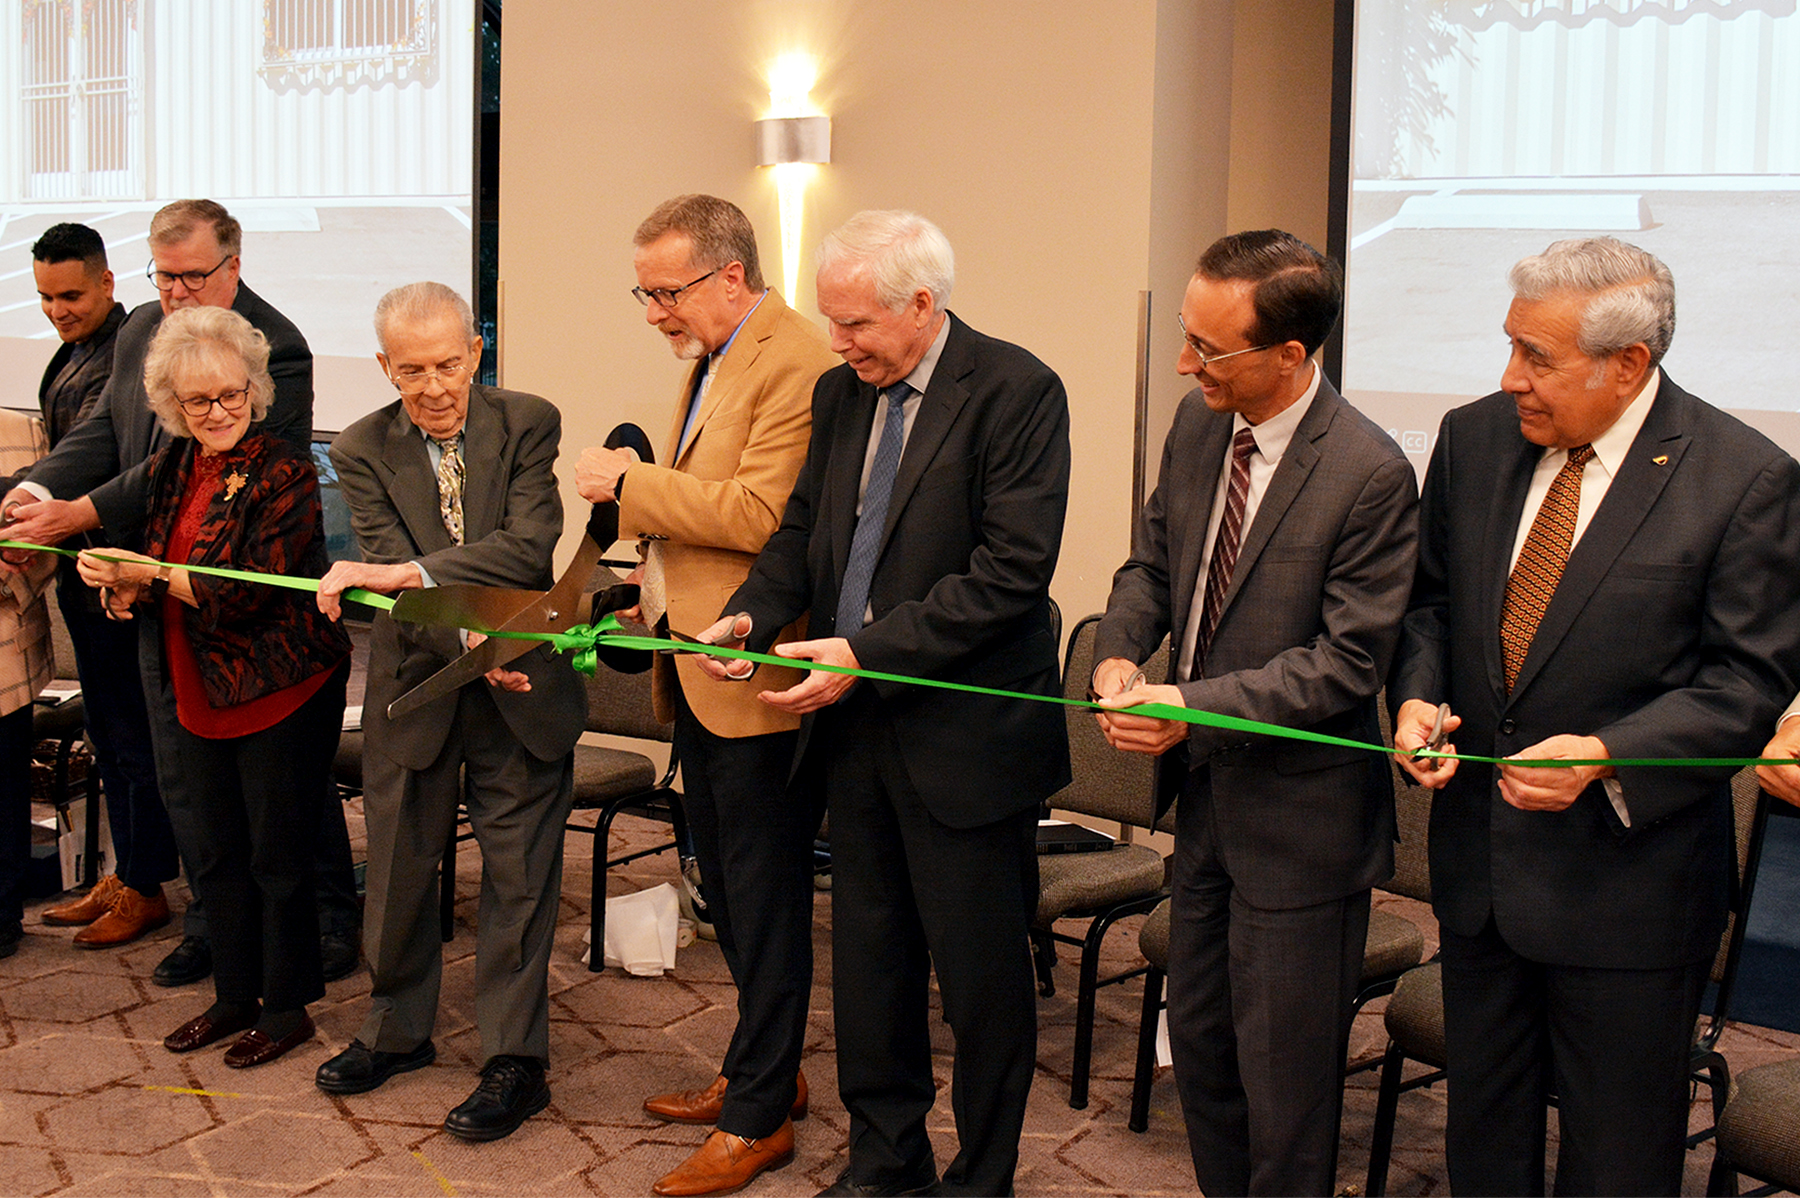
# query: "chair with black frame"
{"points": [[1101, 887], [59, 715], [612, 781], [1415, 1013], [1758, 1131], [1394, 944]]}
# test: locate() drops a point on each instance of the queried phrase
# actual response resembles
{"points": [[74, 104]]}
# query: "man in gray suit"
{"points": [[1278, 550], [455, 483]]}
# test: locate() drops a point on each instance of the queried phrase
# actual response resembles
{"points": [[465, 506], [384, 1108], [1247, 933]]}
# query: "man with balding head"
{"points": [[920, 539], [454, 482], [734, 446], [1609, 568]]}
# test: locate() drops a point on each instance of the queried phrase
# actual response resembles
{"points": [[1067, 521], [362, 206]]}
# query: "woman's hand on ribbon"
{"points": [[1555, 789], [121, 577], [820, 688], [1412, 730]]}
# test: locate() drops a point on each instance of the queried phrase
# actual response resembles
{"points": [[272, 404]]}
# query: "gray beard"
{"points": [[689, 348]]}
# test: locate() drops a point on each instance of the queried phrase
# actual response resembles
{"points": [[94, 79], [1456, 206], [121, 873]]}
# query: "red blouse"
{"points": [[192, 708]]}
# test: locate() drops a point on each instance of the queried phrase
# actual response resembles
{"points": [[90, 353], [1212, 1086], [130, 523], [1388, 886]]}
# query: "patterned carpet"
{"points": [[90, 1102]]}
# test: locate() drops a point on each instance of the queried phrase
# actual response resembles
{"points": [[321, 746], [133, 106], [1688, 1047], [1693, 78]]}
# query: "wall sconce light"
{"points": [[795, 139]]}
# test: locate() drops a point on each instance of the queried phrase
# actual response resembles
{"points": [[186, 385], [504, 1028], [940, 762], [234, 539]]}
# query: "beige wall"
{"points": [[1076, 154]]}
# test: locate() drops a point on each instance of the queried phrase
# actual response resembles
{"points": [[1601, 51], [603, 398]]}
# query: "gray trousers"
{"points": [[1259, 1016], [518, 806]]}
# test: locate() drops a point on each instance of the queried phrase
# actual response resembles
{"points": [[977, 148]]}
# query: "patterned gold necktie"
{"points": [[450, 476], [1541, 561]]}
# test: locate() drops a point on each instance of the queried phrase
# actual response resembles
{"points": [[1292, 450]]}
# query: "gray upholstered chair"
{"points": [[1099, 887], [1758, 1132]]}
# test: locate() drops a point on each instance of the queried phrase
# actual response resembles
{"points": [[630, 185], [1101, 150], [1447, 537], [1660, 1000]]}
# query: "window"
{"points": [[344, 43]]}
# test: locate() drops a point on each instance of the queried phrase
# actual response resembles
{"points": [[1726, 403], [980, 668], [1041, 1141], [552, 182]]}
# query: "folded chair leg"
{"points": [[1381, 1139], [1145, 1073], [1043, 954]]}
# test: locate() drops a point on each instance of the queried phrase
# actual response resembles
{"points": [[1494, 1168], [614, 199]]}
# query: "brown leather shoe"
{"points": [[727, 1163], [703, 1106], [130, 916], [255, 1048], [86, 908], [200, 1031]]}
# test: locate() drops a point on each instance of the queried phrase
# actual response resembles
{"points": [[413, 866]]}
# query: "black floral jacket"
{"points": [[251, 639]]}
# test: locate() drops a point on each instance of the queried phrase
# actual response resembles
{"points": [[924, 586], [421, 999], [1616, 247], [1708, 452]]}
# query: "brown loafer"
{"points": [[703, 1106], [86, 908], [727, 1163], [200, 1031], [129, 916], [255, 1048]]}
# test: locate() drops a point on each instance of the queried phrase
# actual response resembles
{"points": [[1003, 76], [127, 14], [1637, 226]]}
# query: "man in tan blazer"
{"points": [[741, 424]]}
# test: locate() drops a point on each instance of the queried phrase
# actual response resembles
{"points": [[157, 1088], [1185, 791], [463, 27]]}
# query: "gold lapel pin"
{"points": [[234, 482], [1661, 459]]}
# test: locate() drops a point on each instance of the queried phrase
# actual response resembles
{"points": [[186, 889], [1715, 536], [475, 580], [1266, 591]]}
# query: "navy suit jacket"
{"points": [[961, 589], [1674, 632]]}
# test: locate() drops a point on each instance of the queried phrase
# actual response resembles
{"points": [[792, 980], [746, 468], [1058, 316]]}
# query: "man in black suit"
{"points": [[1608, 568], [455, 483], [920, 538], [75, 286], [1279, 548], [96, 478]]}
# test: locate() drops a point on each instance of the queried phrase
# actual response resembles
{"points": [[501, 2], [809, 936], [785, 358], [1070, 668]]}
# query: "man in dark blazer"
{"points": [[95, 478], [455, 483], [1278, 550], [75, 286], [1608, 568], [954, 449]]}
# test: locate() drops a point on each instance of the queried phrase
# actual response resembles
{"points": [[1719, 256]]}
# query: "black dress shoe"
{"points": [[359, 1068], [10, 938], [512, 1090], [925, 1182], [338, 954], [191, 961]]}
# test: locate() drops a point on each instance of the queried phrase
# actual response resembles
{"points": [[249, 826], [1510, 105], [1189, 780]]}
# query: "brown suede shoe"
{"points": [[130, 916], [86, 908], [727, 1163], [703, 1106]]}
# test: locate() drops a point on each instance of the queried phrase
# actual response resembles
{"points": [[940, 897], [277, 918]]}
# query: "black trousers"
{"points": [[248, 812], [910, 894], [754, 840], [112, 695], [1613, 1043], [15, 823], [334, 877], [1259, 1016]]}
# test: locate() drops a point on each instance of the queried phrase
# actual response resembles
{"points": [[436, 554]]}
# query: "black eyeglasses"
{"points": [[1206, 359], [193, 280], [668, 297], [232, 401]]}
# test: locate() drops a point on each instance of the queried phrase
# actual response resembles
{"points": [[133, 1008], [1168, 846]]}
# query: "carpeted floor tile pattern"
{"points": [[91, 1103]]}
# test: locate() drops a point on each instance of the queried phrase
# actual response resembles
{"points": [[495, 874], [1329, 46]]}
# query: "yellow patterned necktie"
{"points": [[1541, 561], [450, 476]]}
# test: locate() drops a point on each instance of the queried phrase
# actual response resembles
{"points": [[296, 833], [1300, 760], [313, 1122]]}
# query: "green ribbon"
{"points": [[354, 594], [581, 644], [582, 639]]}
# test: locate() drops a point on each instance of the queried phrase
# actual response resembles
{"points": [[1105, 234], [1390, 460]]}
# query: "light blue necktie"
{"points": [[865, 545]]}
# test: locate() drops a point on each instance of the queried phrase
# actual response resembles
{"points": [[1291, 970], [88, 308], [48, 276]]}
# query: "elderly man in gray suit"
{"points": [[1278, 548], [455, 483]]}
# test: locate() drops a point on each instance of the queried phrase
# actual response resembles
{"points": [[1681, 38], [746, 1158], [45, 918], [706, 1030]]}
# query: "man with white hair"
{"points": [[455, 483], [1608, 568], [920, 539]]}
